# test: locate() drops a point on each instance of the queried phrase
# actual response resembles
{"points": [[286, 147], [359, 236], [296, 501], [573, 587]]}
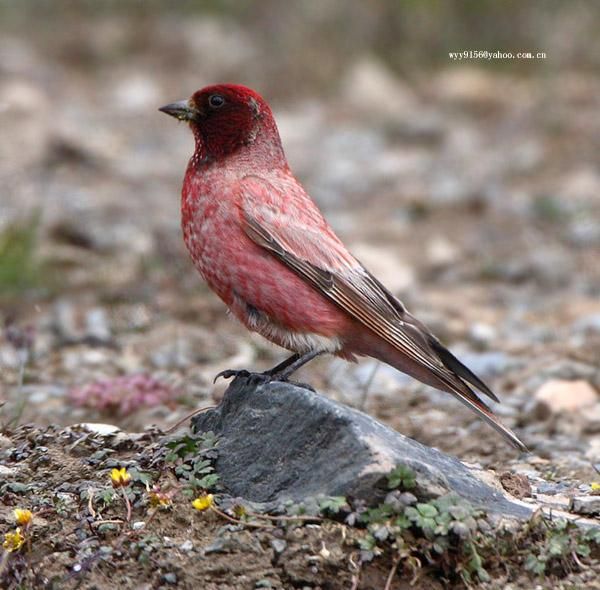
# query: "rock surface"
{"points": [[281, 442]]}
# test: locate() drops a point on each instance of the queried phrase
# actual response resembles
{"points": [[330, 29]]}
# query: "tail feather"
{"points": [[470, 399], [452, 363], [461, 391]]}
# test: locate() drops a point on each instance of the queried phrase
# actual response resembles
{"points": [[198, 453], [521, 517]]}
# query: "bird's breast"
{"points": [[210, 230]]}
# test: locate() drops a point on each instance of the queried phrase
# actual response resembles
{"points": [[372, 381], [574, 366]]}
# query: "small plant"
{"points": [[123, 395], [20, 269], [193, 456], [120, 479], [333, 505], [444, 532], [16, 539], [401, 477], [560, 546]]}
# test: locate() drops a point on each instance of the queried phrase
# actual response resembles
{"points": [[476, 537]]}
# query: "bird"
{"points": [[264, 247]]}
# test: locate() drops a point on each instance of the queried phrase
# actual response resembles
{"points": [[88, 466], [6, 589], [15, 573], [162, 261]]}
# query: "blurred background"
{"points": [[471, 188]]}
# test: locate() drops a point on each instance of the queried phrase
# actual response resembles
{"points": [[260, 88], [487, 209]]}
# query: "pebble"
{"points": [[588, 324], [170, 578], [482, 335], [278, 545], [5, 443], [74, 325], [186, 546], [99, 428], [441, 252], [138, 526], [586, 505], [557, 396]]}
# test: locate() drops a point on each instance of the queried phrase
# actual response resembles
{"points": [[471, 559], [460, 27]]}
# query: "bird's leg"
{"points": [[284, 370], [280, 372], [283, 365]]}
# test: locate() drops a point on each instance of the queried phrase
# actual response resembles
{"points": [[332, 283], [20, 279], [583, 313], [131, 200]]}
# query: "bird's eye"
{"points": [[216, 101]]}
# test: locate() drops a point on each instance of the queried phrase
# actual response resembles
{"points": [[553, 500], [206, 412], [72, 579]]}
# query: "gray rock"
{"points": [[280, 442], [586, 505]]}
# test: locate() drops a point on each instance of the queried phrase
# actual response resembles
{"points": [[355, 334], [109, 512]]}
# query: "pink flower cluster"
{"points": [[123, 395]]}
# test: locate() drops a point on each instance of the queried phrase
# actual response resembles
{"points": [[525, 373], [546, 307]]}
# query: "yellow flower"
{"points": [[159, 500], [23, 517], [239, 511], [120, 478], [595, 487], [13, 541], [202, 503]]}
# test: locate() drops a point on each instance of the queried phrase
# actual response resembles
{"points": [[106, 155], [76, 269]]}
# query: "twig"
{"points": [[356, 576], [390, 578], [127, 503], [186, 418], [578, 561], [275, 517], [367, 386], [90, 503], [236, 521]]}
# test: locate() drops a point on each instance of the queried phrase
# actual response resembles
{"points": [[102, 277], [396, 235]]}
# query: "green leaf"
{"points": [[367, 543], [208, 481], [535, 564], [427, 510], [333, 504], [401, 477]]}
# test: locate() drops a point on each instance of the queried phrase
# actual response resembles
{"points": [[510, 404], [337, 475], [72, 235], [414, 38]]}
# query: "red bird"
{"points": [[263, 246]]}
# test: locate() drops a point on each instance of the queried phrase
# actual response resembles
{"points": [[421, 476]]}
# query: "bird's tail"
{"points": [[450, 375], [458, 384]]}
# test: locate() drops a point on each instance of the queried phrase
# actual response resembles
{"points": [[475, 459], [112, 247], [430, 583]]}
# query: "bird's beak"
{"points": [[181, 110]]}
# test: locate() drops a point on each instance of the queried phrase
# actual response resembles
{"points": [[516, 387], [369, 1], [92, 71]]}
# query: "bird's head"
{"points": [[225, 118]]}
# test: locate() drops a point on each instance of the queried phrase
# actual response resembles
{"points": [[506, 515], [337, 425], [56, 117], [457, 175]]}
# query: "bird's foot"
{"points": [[260, 378], [251, 378]]}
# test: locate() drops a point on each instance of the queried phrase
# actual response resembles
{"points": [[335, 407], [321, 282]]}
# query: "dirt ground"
{"points": [[471, 191]]}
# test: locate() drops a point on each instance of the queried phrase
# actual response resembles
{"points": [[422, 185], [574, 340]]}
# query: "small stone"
{"points": [[441, 253], [586, 505], [97, 326], [557, 396], [186, 546], [278, 545], [482, 334], [138, 526], [589, 324], [99, 428], [170, 578]]}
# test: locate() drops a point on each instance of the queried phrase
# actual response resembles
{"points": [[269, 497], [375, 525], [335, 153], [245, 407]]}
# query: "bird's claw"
{"points": [[252, 378], [259, 378], [229, 373]]}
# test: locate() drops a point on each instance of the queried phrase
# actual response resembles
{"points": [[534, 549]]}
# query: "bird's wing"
{"points": [[297, 235]]}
